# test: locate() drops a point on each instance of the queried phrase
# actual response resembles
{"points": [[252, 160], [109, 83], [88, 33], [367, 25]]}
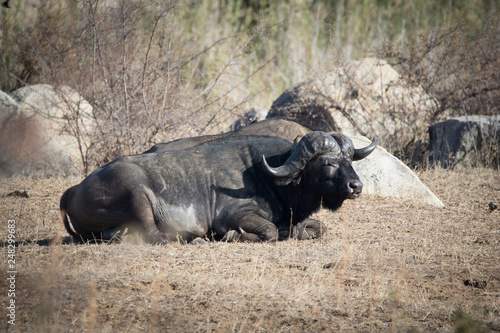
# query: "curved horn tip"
{"points": [[270, 170], [361, 153]]}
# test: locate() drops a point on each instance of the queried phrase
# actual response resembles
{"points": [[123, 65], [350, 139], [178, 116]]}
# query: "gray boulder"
{"points": [[466, 141], [385, 175]]}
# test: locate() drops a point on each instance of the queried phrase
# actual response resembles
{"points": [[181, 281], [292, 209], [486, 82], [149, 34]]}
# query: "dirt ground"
{"points": [[384, 265]]}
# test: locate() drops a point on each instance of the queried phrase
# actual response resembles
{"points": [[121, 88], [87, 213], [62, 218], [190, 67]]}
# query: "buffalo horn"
{"points": [[274, 172], [361, 153], [309, 146]]}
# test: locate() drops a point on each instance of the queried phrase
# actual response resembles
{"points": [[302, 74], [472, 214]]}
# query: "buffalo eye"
{"points": [[328, 171]]}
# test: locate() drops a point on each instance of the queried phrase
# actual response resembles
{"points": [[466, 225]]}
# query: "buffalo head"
{"points": [[322, 163]]}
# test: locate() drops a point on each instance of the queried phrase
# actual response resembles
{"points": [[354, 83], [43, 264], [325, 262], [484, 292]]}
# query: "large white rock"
{"points": [[44, 130], [6, 103], [65, 116], [383, 174]]}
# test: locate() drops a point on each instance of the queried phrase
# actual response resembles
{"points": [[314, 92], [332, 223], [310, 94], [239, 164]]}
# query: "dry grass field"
{"points": [[385, 265]]}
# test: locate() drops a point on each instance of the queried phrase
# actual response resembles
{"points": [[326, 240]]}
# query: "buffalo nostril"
{"points": [[356, 186]]}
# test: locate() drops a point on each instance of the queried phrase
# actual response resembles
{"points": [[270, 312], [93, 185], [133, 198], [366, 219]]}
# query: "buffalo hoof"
{"points": [[310, 229], [231, 236], [199, 241]]}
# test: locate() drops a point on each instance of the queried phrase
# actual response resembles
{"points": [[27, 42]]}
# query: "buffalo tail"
{"points": [[64, 216]]}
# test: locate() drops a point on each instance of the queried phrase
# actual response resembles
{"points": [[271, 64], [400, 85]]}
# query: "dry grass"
{"points": [[385, 265]]}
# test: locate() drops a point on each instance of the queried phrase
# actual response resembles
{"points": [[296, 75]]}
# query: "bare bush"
{"points": [[137, 67], [366, 97], [155, 70], [458, 67]]}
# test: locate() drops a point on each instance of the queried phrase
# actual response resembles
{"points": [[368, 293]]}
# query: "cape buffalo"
{"points": [[258, 188]]}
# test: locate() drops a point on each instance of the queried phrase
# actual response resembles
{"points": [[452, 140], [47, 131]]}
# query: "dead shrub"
{"points": [[135, 64], [458, 67]]}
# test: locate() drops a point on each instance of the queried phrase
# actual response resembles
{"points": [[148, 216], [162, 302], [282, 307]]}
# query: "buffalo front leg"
{"points": [[252, 228], [307, 229]]}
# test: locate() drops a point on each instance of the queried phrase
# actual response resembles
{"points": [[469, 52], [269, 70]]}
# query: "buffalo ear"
{"points": [[295, 180]]}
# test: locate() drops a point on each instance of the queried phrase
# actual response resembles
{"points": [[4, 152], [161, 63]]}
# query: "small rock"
{"points": [[18, 194], [475, 284]]}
